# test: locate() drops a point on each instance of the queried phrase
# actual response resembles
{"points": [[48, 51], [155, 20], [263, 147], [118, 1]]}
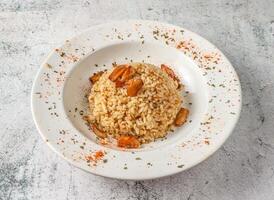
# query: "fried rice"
{"points": [[147, 116]]}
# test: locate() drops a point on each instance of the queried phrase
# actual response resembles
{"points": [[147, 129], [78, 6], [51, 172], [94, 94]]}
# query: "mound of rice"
{"points": [[147, 116]]}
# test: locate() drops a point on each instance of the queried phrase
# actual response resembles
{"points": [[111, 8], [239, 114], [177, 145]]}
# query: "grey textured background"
{"points": [[242, 169]]}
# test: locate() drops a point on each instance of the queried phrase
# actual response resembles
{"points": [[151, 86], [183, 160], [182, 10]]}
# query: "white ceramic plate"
{"points": [[213, 96]]}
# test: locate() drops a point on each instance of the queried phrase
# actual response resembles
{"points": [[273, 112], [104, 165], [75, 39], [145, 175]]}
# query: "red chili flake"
{"points": [[99, 155], [95, 157]]}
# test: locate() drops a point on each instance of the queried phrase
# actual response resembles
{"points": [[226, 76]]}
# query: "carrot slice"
{"points": [[95, 77], [169, 72], [117, 72], [129, 72], [181, 117], [128, 142], [133, 87], [98, 132]]}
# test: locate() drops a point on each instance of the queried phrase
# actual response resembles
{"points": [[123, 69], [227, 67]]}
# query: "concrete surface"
{"points": [[242, 169]]}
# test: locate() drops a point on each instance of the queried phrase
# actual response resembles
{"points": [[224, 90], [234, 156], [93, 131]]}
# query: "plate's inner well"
{"points": [[195, 94]]}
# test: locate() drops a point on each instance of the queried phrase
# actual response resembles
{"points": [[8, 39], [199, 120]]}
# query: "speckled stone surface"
{"points": [[242, 169]]}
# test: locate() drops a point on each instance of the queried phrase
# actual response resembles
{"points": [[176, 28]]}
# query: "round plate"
{"points": [[212, 94]]}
